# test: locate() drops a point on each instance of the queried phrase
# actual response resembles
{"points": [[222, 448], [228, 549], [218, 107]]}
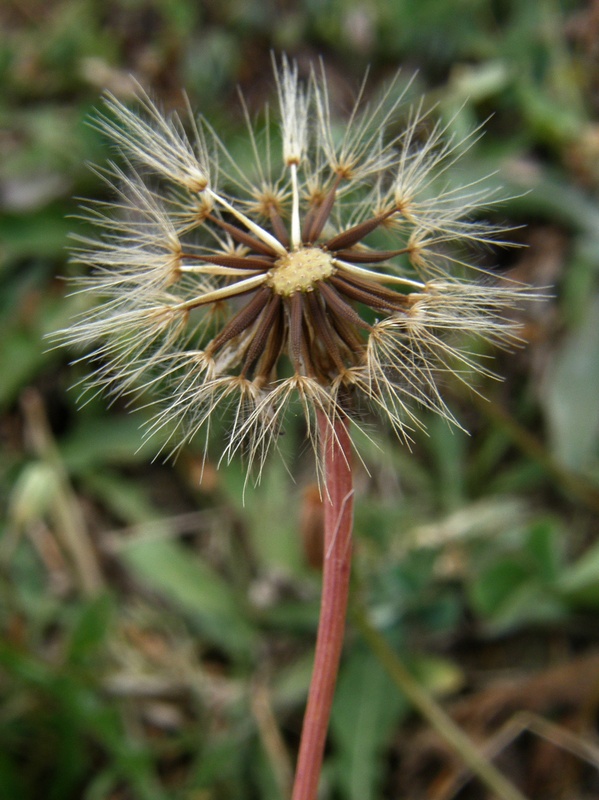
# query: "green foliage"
{"points": [[573, 417], [192, 585], [163, 679], [366, 710]]}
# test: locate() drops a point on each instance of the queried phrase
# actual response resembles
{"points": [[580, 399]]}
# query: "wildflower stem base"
{"points": [[338, 523]]}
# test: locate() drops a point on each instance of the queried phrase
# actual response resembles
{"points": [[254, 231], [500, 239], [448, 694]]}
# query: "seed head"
{"points": [[331, 274]]}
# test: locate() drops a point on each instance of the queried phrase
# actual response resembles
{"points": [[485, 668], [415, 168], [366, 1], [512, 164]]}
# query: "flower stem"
{"points": [[338, 523]]}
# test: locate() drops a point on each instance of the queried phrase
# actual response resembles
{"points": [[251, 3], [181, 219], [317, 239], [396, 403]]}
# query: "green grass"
{"points": [[156, 633]]}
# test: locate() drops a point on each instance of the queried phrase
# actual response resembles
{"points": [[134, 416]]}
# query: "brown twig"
{"points": [[338, 522]]}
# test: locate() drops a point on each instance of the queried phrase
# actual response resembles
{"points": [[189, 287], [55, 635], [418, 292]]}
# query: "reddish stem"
{"points": [[338, 522]]}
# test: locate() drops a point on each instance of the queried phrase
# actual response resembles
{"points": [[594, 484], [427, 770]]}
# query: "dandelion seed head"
{"points": [[217, 290]]}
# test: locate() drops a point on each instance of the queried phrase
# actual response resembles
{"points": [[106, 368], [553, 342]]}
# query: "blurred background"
{"points": [[157, 634]]}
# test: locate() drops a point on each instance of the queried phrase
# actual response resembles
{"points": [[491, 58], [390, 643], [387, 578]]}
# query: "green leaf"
{"points": [[509, 595], [495, 586], [91, 628], [33, 493], [129, 500], [438, 675], [106, 440], [21, 357], [571, 392], [190, 583], [366, 708], [579, 583], [11, 777], [44, 234], [448, 447], [543, 545]]}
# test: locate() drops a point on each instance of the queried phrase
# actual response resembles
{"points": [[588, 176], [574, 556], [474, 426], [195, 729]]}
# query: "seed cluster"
{"points": [[307, 306], [217, 289]]}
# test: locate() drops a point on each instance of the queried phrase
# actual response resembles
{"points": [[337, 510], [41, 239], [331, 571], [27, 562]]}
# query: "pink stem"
{"points": [[338, 523]]}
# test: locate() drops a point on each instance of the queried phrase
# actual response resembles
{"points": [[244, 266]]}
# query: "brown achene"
{"points": [[307, 306]]}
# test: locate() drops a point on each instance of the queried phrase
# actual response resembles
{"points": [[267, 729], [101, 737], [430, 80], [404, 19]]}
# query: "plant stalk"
{"points": [[338, 523]]}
